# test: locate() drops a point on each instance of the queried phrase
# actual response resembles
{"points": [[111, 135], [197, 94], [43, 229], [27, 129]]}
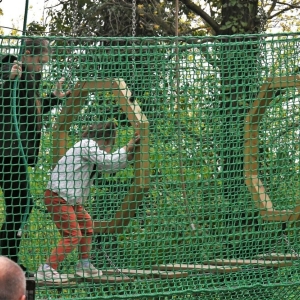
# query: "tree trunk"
{"points": [[240, 74]]}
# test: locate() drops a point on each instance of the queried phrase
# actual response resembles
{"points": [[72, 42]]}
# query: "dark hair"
{"points": [[101, 131], [36, 46]]}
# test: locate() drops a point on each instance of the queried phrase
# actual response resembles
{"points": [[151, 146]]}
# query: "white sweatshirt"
{"points": [[71, 178]]}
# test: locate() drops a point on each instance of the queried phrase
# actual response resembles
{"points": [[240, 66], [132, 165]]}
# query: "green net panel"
{"points": [[205, 207]]}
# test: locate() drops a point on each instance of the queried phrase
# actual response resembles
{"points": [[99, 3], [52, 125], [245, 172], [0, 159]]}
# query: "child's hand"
{"points": [[16, 70], [133, 142], [58, 92]]}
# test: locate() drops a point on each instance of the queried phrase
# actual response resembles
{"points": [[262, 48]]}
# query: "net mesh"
{"points": [[208, 207]]}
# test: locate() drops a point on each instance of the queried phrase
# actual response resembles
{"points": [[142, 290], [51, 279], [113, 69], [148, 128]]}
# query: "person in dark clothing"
{"points": [[29, 110]]}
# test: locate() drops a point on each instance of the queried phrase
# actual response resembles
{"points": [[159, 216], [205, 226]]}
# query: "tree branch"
{"points": [[274, 2], [203, 49], [187, 32], [295, 5], [159, 21], [289, 7], [202, 14]]}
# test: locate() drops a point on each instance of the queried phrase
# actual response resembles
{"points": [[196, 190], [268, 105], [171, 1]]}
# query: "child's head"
{"points": [[36, 53], [104, 132]]}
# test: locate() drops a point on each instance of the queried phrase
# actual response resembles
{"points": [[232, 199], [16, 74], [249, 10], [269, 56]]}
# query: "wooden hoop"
{"points": [[140, 124], [251, 150]]}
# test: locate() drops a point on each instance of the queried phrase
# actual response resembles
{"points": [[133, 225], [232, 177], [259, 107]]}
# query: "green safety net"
{"points": [[209, 206]]}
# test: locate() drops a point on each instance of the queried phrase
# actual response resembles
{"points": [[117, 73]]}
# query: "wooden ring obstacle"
{"points": [[251, 150], [140, 124]]}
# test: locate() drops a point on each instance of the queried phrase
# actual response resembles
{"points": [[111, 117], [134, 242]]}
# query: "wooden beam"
{"points": [[278, 256], [257, 262], [149, 273], [205, 268]]}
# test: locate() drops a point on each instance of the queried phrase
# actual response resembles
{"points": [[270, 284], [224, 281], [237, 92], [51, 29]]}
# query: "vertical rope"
{"points": [[182, 175], [17, 130], [133, 42]]}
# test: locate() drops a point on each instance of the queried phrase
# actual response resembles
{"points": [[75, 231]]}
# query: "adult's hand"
{"points": [[16, 70]]}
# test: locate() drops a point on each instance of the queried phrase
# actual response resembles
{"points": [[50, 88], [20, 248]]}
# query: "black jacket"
{"points": [[27, 113]]}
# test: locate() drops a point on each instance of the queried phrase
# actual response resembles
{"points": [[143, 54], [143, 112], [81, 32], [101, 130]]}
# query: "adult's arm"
{"points": [[6, 83], [6, 64], [55, 98]]}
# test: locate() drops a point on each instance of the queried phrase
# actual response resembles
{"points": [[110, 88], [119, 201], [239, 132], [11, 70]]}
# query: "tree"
{"points": [[1, 14]]}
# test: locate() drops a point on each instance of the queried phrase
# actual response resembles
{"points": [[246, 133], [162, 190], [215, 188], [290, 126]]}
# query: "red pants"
{"points": [[75, 226]]}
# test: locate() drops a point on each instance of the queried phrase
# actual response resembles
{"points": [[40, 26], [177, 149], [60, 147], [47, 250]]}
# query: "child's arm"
{"points": [[131, 146], [110, 163]]}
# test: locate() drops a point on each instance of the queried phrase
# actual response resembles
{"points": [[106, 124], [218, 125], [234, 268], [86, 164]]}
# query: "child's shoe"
{"points": [[48, 274], [86, 269]]}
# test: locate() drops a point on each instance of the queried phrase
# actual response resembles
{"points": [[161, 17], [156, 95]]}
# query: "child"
{"points": [[29, 107], [67, 190]]}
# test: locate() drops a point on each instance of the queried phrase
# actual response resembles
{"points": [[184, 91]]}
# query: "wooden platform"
{"points": [[149, 273], [244, 262], [174, 271], [278, 256], [111, 276], [74, 281], [197, 268]]}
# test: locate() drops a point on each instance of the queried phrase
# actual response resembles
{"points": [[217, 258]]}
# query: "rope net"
{"points": [[175, 179]]}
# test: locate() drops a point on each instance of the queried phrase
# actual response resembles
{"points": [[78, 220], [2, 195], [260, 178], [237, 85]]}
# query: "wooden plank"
{"points": [[295, 215], [257, 262], [276, 215], [108, 279], [205, 268], [149, 273], [285, 81], [141, 125], [96, 85], [278, 256], [63, 123], [74, 281]]}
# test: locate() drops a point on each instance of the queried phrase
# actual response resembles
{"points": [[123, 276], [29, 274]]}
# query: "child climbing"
{"points": [[68, 189]]}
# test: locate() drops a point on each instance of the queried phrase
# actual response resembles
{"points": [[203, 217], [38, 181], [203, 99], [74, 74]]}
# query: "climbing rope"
{"points": [[17, 130], [180, 151], [110, 261]]}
